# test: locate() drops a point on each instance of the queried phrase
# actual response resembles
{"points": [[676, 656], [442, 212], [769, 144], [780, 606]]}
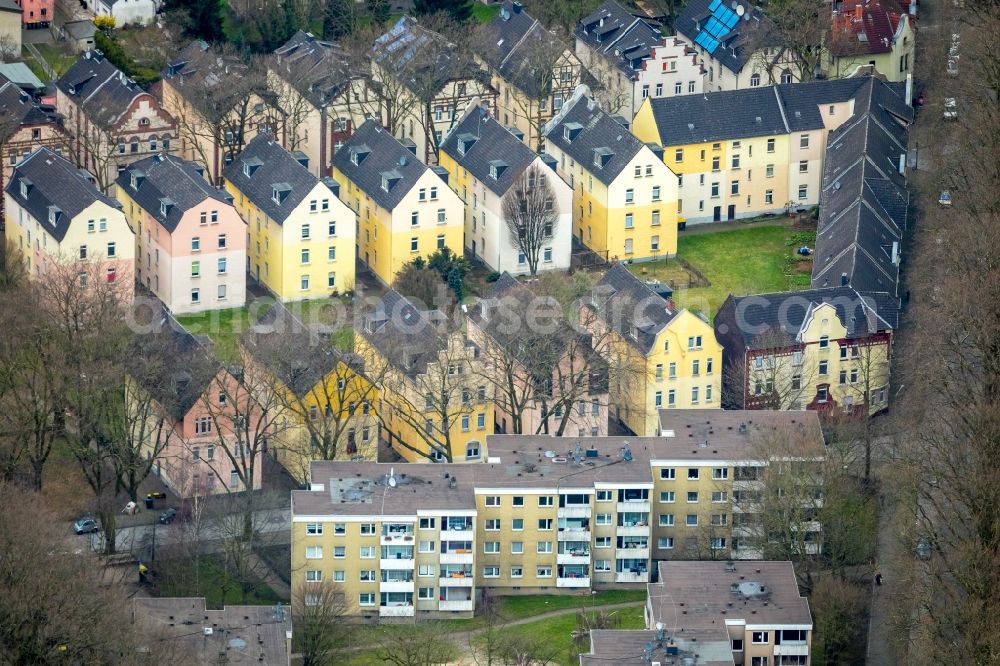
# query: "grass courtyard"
{"points": [[739, 261]]}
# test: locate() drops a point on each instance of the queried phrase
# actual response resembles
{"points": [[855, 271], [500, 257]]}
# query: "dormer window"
{"points": [[24, 190], [497, 169], [276, 195], [385, 183]]}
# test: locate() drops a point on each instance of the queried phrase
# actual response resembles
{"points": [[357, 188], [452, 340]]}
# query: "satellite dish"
{"points": [[740, 10], [392, 477], [735, 5]]}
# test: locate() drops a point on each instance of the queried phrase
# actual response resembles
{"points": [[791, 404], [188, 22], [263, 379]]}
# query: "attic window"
{"points": [[54, 214], [24, 189], [497, 168], [385, 183]]}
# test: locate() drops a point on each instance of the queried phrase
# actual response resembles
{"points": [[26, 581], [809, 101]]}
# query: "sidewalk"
{"points": [[879, 651]]}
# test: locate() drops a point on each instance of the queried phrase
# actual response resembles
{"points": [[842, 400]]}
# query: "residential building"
{"points": [[405, 209], [79, 35], [220, 105], [36, 13], [10, 25], [323, 97], [535, 516], [432, 393], [128, 12], [823, 349], [21, 75], [668, 357], [877, 33], [322, 398], [549, 381], [532, 70], [731, 40], [624, 196], [204, 427], [748, 613], [29, 127], [55, 215], [864, 204], [490, 169], [745, 153], [191, 244], [113, 122], [165, 625], [632, 60], [301, 235], [425, 82]]}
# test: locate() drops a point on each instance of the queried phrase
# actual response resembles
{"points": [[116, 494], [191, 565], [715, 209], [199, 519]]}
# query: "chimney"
{"points": [[844, 281], [858, 9]]}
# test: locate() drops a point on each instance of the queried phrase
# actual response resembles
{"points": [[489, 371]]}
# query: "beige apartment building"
{"points": [[715, 614], [538, 515]]}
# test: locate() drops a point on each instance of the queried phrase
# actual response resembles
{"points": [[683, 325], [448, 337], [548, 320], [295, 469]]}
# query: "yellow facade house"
{"points": [[539, 515], [301, 234], [405, 209], [324, 402], [433, 398], [624, 196], [671, 359], [744, 153]]}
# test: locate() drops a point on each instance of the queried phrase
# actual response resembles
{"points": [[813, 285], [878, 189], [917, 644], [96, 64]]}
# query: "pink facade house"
{"points": [[36, 13], [191, 244], [542, 383], [208, 434]]}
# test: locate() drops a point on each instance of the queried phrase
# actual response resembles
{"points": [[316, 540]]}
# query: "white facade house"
{"points": [[127, 11]]}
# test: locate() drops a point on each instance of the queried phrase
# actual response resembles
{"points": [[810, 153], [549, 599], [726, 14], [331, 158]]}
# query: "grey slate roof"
{"points": [[319, 70], [599, 133], [53, 181], [620, 36], [17, 105], [385, 155], [100, 89], [277, 168], [627, 305], [864, 201], [490, 142], [751, 112], [517, 45], [168, 177], [10, 6], [734, 50], [408, 337], [745, 319]]}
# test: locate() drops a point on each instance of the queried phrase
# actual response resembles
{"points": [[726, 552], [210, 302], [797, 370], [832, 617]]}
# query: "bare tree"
{"points": [[777, 376], [793, 33], [426, 644], [318, 610], [529, 210]]}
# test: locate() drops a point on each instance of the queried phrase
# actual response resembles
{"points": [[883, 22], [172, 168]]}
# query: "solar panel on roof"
{"points": [[715, 5]]}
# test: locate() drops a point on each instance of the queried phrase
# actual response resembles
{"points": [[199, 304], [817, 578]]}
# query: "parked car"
{"points": [[944, 198], [168, 516], [950, 108], [86, 525]]}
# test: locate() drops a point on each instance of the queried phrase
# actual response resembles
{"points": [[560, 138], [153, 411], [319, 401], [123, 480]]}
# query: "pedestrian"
{"points": [[142, 573], [878, 580]]}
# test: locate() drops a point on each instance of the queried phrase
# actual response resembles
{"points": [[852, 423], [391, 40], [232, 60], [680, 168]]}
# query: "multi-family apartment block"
{"points": [[666, 357], [433, 397], [749, 152], [426, 83], [29, 126], [878, 33], [536, 516], [113, 122], [404, 208], [632, 60], [323, 97], [624, 196], [190, 241], [733, 43], [36, 13], [518, 211], [56, 216], [715, 614], [301, 235], [533, 72]]}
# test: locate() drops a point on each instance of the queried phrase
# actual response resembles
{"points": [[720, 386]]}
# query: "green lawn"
{"points": [[225, 327], [56, 58], [741, 261], [217, 586], [484, 13]]}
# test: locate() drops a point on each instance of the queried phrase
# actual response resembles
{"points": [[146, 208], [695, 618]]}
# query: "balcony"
{"points": [[398, 564], [456, 557], [629, 577], [456, 581], [634, 553], [396, 586], [460, 605], [574, 534], [634, 507], [458, 535], [395, 611], [573, 582], [791, 648], [574, 512], [633, 530], [397, 540], [571, 558]]}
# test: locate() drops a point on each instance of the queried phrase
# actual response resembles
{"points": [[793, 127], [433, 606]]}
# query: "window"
{"points": [[304, 282], [760, 637], [196, 296], [314, 529], [694, 342], [668, 473], [734, 187], [719, 496], [492, 525], [665, 543], [491, 547], [314, 552], [517, 524], [603, 519], [655, 220], [769, 196], [545, 524], [656, 193], [717, 543], [629, 221], [367, 529], [604, 496], [544, 547], [367, 553], [691, 520], [720, 473], [629, 244], [516, 547], [693, 473], [338, 576], [492, 500], [545, 500], [543, 572], [754, 80], [823, 367], [677, 88], [602, 542], [331, 229], [679, 155], [658, 399], [824, 341], [692, 497], [736, 161], [666, 520], [427, 523], [425, 547], [366, 599], [414, 244], [221, 292], [715, 190], [770, 145], [425, 593], [304, 256], [803, 141]]}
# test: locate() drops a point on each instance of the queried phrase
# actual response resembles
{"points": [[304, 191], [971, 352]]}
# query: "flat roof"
{"points": [[245, 634], [692, 434], [629, 648], [698, 597]]}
